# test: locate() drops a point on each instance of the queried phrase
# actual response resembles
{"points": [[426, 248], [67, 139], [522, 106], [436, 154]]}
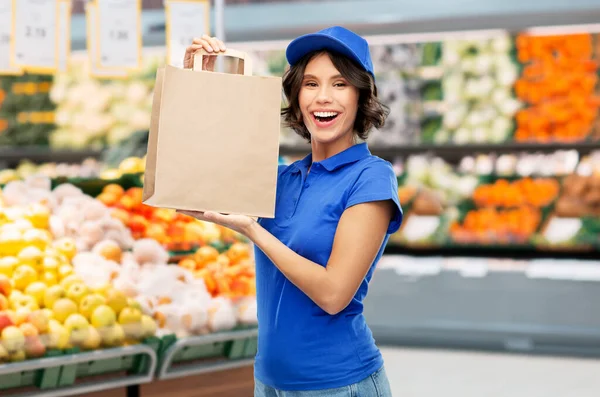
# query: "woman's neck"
{"points": [[322, 151]]}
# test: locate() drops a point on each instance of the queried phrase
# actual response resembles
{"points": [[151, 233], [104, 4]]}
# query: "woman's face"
{"points": [[327, 101]]}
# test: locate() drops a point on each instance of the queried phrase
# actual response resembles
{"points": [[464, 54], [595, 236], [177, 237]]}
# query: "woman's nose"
{"points": [[324, 95]]}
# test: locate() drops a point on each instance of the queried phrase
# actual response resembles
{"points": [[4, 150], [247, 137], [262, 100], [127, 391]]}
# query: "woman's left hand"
{"points": [[240, 223]]}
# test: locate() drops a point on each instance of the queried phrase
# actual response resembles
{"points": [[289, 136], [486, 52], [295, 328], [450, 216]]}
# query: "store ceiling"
{"points": [[285, 20]]}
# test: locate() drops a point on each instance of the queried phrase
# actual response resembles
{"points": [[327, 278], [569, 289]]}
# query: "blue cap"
{"points": [[337, 39]]}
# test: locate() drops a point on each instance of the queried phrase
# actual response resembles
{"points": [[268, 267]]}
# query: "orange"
{"points": [[206, 254], [113, 188]]}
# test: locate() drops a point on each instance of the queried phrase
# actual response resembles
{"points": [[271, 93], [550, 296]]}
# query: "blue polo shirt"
{"points": [[300, 346]]}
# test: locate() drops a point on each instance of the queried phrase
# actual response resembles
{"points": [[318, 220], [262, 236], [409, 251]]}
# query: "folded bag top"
{"points": [[214, 139]]}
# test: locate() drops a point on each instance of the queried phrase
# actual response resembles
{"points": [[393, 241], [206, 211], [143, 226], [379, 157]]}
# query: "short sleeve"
{"points": [[377, 182]]}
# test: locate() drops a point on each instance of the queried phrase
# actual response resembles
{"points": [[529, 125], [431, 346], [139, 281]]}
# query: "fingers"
{"points": [[210, 44]]}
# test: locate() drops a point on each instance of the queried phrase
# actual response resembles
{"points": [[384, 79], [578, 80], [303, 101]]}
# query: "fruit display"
{"points": [[229, 274], [476, 84], [175, 231], [558, 83], [502, 193]]}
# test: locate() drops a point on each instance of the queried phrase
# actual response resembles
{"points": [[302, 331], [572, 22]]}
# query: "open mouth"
{"points": [[325, 117]]}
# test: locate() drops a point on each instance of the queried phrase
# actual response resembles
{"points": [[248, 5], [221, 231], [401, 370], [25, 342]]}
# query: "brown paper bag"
{"points": [[214, 140]]}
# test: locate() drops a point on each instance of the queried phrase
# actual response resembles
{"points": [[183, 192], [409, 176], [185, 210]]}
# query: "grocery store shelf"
{"points": [[11, 156], [86, 387], [168, 370], [457, 152]]}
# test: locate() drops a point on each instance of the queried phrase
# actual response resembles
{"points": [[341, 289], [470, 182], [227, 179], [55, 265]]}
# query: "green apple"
{"points": [[131, 320], [116, 299], [113, 335], [93, 339], [149, 326]]}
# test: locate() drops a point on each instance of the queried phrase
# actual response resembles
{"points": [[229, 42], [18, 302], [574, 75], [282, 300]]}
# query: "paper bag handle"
{"points": [[244, 64]]}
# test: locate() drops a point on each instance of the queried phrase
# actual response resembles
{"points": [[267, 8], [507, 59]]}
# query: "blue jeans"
{"points": [[375, 385]]}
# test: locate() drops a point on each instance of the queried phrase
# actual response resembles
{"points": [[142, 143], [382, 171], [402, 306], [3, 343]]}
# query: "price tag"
{"points": [[92, 45], [64, 34], [6, 20], [35, 34], [185, 20], [119, 29]]}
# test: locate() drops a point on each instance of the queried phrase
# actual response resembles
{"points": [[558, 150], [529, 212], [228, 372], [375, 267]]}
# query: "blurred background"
{"points": [[489, 288]]}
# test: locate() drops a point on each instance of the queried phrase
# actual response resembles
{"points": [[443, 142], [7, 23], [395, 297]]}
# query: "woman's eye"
{"points": [[310, 84], [340, 84]]}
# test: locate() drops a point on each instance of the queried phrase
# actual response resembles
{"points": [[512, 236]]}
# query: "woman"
{"points": [[335, 210]]}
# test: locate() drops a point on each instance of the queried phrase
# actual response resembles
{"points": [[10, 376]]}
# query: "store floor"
{"points": [[436, 373]]}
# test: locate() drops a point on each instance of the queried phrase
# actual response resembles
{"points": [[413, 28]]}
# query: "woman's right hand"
{"points": [[208, 44]]}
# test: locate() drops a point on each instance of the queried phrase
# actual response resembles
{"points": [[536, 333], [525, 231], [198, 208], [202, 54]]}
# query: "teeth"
{"points": [[325, 114]]}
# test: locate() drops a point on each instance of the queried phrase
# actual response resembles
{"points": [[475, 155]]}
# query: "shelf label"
{"points": [[64, 34], [119, 30], [185, 20], [92, 45], [35, 35], [6, 21]]}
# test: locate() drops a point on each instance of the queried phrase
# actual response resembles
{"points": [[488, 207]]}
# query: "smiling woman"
{"points": [[334, 212]]}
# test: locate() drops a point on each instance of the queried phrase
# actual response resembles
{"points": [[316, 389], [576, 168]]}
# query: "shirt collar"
{"points": [[352, 154]]}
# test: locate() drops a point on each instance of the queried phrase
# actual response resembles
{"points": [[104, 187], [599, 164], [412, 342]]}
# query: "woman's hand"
{"points": [[240, 223], [207, 43]]}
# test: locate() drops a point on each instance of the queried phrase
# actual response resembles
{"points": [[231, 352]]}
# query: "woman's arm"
{"points": [[358, 238]]}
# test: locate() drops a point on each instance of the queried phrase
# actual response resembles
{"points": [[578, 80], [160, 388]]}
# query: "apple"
{"points": [[8, 265], [77, 326], [66, 246], [64, 270], [6, 320], [21, 314], [23, 276], [34, 347], [5, 285], [18, 356], [63, 308], [4, 303], [103, 316], [25, 301], [48, 312], [131, 302], [69, 280], [89, 302], [58, 336], [32, 256], [49, 278], [28, 330], [37, 290], [50, 264], [39, 320], [93, 339], [131, 320], [77, 291], [116, 299], [149, 326], [113, 335], [53, 294], [13, 339]]}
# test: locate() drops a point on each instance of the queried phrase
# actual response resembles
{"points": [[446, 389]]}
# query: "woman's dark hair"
{"points": [[371, 112]]}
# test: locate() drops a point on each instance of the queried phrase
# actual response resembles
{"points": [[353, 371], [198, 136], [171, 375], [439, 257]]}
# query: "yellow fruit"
{"points": [[37, 238], [24, 301], [93, 339], [77, 291], [23, 276], [78, 327], [31, 255], [49, 278], [70, 280], [66, 246], [149, 326], [131, 320], [49, 313], [113, 335], [63, 308], [50, 264], [52, 294], [116, 299], [37, 290], [103, 316], [40, 320], [89, 303], [58, 336], [7, 265], [64, 271], [39, 216]]}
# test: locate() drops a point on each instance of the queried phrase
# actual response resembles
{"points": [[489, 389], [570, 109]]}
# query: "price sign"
{"points": [[119, 30], [35, 34], [185, 20], [92, 45], [64, 34], [5, 39]]}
